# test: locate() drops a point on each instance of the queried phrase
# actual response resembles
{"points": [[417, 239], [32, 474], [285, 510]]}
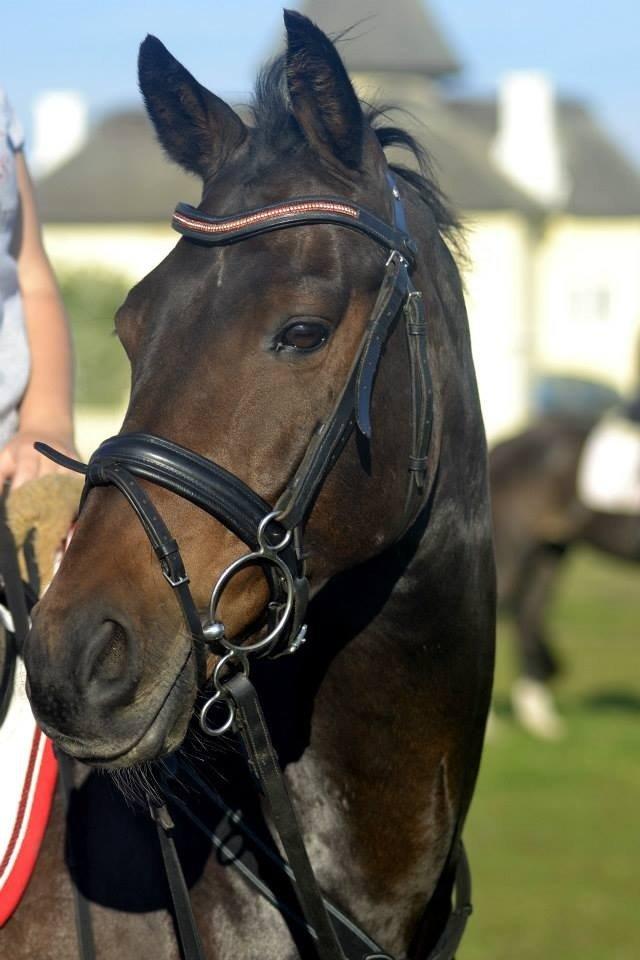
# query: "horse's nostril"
{"points": [[111, 659], [109, 667]]}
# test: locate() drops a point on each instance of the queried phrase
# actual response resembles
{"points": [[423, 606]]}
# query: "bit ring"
{"points": [[249, 560], [226, 724]]}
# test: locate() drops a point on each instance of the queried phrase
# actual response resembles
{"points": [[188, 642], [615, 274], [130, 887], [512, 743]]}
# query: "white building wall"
{"points": [[588, 300], [565, 303], [499, 260], [497, 283], [131, 250]]}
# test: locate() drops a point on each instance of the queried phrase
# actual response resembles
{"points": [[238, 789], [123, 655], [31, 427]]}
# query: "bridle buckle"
{"points": [[174, 580]]}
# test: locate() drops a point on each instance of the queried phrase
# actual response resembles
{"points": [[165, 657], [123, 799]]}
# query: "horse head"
{"points": [[240, 352]]}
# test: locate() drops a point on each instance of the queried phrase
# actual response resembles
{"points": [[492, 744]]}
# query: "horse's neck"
{"points": [[361, 619], [349, 715], [376, 722]]}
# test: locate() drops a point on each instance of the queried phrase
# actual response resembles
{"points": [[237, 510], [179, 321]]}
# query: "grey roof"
{"points": [[120, 175], [397, 35], [604, 183]]}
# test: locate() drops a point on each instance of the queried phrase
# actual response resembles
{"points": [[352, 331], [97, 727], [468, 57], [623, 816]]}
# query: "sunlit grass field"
{"points": [[554, 831]]}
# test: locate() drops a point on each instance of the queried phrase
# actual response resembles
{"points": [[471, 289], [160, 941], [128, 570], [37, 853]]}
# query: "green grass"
{"points": [[554, 830]]}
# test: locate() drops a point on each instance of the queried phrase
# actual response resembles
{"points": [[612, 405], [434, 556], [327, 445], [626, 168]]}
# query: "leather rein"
{"points": [[274, 535]]}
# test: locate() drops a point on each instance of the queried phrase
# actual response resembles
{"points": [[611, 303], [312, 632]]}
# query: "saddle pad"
{"points": [[28, 775], [609, 469]]}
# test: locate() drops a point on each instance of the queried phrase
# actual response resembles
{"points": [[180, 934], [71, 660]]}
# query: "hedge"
{"points": [[102, 369]]}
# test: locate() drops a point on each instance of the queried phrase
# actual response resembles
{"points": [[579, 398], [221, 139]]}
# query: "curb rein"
{"points": [[275, 539]]}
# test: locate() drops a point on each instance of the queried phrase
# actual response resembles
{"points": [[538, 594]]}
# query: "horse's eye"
{"points": [[305, 335]]}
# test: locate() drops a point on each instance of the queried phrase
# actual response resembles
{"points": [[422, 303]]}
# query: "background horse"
{"points": [[238, 352], [537, 518]]}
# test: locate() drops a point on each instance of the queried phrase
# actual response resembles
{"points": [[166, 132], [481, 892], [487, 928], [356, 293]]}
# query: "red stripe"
{"points": [[26, 787]]}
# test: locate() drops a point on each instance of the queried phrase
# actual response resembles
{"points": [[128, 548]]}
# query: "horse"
{"points": [[538, 518], [241, 342]]}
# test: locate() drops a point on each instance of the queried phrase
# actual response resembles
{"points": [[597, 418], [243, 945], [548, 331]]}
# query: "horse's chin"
{"points": [[160, 734]]}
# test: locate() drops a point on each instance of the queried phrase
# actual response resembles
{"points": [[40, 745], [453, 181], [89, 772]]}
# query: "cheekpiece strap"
{"points": [[353, 405], [421, 386]]}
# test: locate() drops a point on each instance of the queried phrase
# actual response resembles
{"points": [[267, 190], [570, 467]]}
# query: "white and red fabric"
{"points": [[28, 771]]}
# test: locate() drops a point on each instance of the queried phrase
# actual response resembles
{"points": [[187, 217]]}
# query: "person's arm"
{"points": [[46, 409]]}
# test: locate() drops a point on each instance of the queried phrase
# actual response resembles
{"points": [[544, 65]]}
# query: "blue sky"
{"points": [[590, 50]]}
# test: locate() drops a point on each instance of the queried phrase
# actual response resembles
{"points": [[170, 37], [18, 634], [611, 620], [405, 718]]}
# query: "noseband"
{"points": [[274, 533]]}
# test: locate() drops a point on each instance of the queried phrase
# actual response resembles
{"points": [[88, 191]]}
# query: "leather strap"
{"points": [[14, 589], [164, 545], [390, 299], [352, 405], [264, 763], [81, 914], [18, 598], [186, 927], [421, 386], [451, 936], [399, 215], [301, 211]]}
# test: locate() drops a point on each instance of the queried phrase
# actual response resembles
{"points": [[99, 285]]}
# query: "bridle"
{"points": [[275, 532]]}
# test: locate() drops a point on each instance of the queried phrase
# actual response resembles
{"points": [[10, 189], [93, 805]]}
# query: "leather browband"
{"points": [[196, 225]]}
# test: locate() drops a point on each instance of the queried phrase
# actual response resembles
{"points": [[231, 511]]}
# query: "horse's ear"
{"points": [[322, 98], [197, 129]]}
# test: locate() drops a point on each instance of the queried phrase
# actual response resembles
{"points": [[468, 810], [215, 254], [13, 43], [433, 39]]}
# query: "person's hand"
{"points": [[19, 462]]}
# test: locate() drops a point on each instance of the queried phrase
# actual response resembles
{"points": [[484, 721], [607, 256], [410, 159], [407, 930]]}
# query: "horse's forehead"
{"points": [[264, 261], [207, 278], [262, 180]]}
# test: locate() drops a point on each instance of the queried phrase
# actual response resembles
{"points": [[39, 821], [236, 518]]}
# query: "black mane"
{"points": [[279, 131]]}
